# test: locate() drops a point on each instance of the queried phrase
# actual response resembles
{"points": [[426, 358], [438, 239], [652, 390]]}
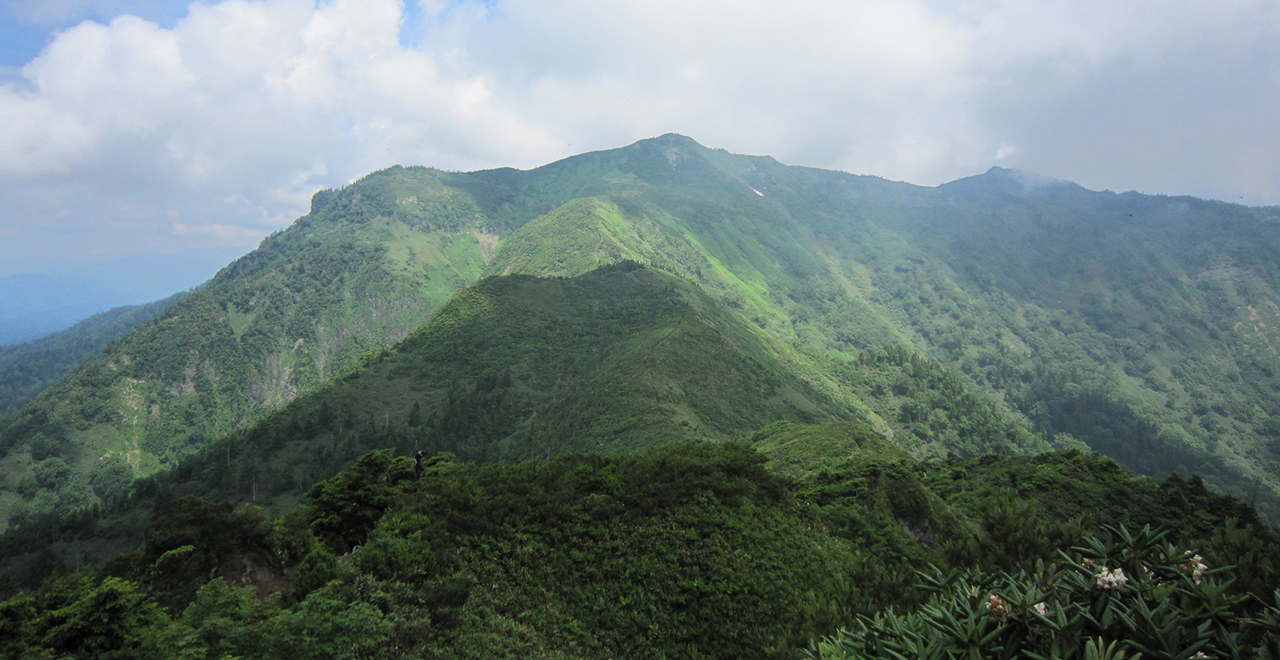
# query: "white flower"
{"points": [[1040, 608], [998, 606], [1196, 567], [1108, 579]]}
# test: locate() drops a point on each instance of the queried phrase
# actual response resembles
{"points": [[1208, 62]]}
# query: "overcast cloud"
{"points": [[146, 126]]}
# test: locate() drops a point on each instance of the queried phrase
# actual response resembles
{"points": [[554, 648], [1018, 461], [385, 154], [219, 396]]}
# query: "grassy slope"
{"points": [[587, 232]]}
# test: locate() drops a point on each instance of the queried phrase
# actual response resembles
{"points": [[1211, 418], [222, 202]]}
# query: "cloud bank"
{"points": [[127, 137]]}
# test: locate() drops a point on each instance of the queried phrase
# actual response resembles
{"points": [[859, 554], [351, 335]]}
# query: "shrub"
{"points": [[1112, 597]]}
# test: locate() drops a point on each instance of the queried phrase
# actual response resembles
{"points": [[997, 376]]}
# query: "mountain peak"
{"points": [[1011, 181], [1026, 177], [676, 139]]}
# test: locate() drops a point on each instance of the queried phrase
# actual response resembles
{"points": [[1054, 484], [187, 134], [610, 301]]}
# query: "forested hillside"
{"points": [[514, 367], [345, 280], [764, 548], [28, 368]]}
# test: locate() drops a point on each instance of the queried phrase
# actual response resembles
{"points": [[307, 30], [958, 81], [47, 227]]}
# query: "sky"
{"points": [[156, 127]]}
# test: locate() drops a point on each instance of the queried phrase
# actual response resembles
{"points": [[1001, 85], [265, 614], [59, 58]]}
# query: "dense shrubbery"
{"points": [[690, 551], [696, 550], [1124, 595]]}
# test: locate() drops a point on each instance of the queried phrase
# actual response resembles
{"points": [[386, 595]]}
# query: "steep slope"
{"points": [[1141, 326], [515, 367], [610, 362], [366, 267], [929, 409], [28, 368], [1137, 324]]}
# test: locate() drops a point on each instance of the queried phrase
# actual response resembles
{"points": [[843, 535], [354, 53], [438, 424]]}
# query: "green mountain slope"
{"points": [[1138, 325], [515, 367], [349, 278], [610, 362], [1143, 326], [27, 369]]}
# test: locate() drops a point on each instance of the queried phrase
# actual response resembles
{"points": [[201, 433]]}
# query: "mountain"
{"points": [[609, 362], [767, 411], [27, 369], [345, 280], [1004, 312], [1140, 325]]}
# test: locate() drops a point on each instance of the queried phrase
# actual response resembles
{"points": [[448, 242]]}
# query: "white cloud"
{"points": [[229, 117], [233, 116]]}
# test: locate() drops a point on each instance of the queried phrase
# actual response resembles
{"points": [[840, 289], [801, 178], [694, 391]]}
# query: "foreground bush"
{"points": [[1118, 598]]}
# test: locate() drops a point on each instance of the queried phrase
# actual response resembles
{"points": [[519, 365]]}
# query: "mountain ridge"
{"points": [[1042, 302]]}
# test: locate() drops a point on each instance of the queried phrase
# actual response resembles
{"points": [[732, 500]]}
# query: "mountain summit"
{"points": [[1012, 181]]}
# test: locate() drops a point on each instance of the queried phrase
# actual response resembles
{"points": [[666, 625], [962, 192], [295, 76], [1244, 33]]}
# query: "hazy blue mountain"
{"points": [[34, 305], [28, 368]]}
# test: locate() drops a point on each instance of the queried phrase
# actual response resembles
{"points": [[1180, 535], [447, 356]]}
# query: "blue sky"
{"points": [[27, 25], [145, 127]]}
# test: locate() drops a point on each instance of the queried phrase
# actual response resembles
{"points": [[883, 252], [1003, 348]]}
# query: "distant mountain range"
{"points": [[669, 292], [36, 305], [28, 368]]}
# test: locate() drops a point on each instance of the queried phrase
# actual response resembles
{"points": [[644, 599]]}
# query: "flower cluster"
{"points": [[1196, 568], [998, 607], [1109, 579]]}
